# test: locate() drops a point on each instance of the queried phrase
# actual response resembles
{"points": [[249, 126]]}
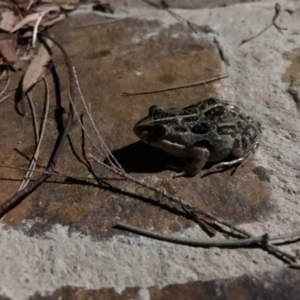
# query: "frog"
{"points": [[210, 130]]}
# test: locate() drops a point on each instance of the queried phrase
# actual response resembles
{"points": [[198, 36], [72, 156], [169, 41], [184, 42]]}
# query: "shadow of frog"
{"points": [[142, 158]]}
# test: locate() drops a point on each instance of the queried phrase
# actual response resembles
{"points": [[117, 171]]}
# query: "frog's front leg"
{"points": [[200, 157]]}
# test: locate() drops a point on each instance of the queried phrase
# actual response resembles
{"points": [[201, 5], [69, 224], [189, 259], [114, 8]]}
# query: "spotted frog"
{"points": [[209, 130]]}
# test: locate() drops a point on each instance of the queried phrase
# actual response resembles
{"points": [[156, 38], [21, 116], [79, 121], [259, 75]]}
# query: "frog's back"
{"points": [[212, 124]]}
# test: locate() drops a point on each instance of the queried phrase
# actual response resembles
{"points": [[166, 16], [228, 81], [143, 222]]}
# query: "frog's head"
{"points": [[153, 127]]}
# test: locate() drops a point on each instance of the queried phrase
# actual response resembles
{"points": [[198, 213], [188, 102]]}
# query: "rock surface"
{"points": [[60, 241]]}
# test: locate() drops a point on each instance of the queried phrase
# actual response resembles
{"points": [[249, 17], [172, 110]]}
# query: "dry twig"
{"points": [[203, 82], [164, 5], [6, 85], [273, 23], [194, 243], [39, 137], [34, 118], [5, 89], [4, 98], [265, 238]]}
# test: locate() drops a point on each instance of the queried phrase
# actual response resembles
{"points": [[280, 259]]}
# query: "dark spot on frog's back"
{"points": [[201, 128], [251, 132], [216, 112], [189, 119], [240, 124], [188, 111], [242, 116], [237, 144], [209, 102], [244, 143]]}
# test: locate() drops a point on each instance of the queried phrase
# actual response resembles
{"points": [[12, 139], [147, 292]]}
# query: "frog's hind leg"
{"points": [[238, 162], [200, 157]]}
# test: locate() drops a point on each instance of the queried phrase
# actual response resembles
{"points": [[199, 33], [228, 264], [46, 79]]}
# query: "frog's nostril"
{"points": [[141, 130]]}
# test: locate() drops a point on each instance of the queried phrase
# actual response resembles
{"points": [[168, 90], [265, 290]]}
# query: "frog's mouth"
{"points": [[150, 134]]}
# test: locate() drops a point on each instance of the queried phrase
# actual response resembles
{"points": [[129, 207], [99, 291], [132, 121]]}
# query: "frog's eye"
{"points": [[156, 112], [152, 109], [159, 131]]}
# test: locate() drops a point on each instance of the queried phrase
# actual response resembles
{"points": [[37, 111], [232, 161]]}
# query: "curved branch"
{"points": [[195, 243]]}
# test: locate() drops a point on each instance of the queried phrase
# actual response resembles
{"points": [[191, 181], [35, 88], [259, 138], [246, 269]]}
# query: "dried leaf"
{"points": [[37, 68], [24, 4], [53, 21], [48, 8], [69, 6], [27, 34], [29, 4], [8, 20], [9, 53], [6, 36], [60, 1], [26, 20], [27, 55]]}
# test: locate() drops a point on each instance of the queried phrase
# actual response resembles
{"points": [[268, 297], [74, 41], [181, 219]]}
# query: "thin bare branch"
{"points": [[273, 23], [203, 82], [261, 241], [265, 238], [4, 98], [35, 125], [103, 22], [6, 85], [287, 237], [179, 18], [107, 153], [56, 174], [112, 160], [164, 5], [195, 243], [77, 116], [40, 138]]}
